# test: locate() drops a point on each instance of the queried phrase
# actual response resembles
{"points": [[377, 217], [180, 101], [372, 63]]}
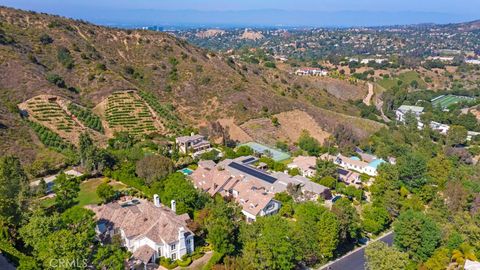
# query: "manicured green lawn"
{"points": [[88, 191], [406, 77]]}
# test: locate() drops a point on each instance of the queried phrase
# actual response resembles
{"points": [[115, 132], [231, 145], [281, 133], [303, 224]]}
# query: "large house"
{"points": [[368, 166], [148, 230], [311, 72], [251, 187], [305, 164], [192, 144], [404, 109]]}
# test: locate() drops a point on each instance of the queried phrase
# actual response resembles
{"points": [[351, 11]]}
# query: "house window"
{"points": [[172, 247], [174, 256], [188, 242]]}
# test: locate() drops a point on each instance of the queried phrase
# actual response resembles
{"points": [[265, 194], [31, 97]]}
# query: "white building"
{"points": [[404, 109], [472, 61], [148, 230], [355, 163], [192, 144], [311, 72]]}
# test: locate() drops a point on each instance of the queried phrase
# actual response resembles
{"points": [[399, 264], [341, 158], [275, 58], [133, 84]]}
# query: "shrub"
{"points": [[184, 262], [168, 263], [64, 57], [57, 80], [45, 39]]}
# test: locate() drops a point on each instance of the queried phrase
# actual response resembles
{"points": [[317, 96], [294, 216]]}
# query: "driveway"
{"points": [[355, 260]]}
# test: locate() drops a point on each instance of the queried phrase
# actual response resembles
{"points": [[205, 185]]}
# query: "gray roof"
{"points": [[408, 108]]}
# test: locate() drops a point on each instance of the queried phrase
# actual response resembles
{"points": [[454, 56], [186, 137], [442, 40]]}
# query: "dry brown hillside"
{"points": [[44, 54]]}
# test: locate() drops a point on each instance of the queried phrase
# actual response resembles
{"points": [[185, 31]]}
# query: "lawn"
{"points": [[406, 77], [88, 191]]}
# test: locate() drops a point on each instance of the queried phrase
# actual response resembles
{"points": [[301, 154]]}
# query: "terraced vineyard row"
{"points": [[50, 138], [166, 115], [50, 113], [127, 112], [87, 117]]}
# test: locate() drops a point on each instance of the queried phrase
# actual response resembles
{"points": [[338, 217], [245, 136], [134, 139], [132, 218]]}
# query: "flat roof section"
{"points": [[252, 172]]}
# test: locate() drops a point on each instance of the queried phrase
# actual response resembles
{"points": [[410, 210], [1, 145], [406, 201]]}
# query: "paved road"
{"points": [[356, 259]]}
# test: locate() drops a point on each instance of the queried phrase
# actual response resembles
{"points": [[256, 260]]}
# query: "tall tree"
{"points": [[267, 244], [315, 232], [456, 135], [222, 226], [13, 189], [416, 234], [154, 167], [375, 218], [110, 257], [412, 168], [325, 168], [349, 221], [66, 191], [379, 256]]}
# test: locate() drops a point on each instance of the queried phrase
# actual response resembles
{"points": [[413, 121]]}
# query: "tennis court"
{"points": [[276, 155], [447, 100]]}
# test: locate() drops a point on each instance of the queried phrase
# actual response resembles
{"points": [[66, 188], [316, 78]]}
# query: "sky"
{"points": [[258, 12]]}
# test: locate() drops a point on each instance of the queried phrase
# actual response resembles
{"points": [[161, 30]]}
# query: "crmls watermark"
{"points": [[67, 264]]}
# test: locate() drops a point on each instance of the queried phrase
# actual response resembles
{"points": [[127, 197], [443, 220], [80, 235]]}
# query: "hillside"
{"points": [[83, 63]]}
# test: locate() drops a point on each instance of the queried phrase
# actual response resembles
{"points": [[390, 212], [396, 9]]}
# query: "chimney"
{"points": [[156, 200], [192, 133], [173, 206]]}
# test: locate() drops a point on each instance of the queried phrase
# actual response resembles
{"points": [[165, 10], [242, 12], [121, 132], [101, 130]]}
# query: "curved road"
{"points": [[355, 260]]}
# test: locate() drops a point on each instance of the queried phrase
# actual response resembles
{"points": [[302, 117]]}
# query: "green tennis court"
{"points": [[447, 100]]}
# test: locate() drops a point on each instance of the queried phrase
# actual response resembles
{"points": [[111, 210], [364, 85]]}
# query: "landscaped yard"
{"points": [[88, 191], [406, 78]]}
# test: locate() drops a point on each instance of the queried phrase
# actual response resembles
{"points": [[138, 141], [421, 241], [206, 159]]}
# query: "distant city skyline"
{"points": [[257, 13]]}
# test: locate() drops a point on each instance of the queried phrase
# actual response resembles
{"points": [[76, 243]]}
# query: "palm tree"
{"points": [[463, 253]]}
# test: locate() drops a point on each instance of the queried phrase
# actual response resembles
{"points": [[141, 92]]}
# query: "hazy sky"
{"points": [[105, 10]]}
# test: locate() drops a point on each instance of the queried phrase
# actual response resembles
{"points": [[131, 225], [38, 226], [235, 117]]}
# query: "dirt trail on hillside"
{"points": [[368, 98]]}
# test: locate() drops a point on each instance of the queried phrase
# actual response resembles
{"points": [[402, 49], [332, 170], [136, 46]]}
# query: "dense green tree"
{"points": [[176, 187], [438, 169], [412, 168], [439, 260], [267, 244], [92, 158], [375, 218], [379, 256], [66, 191], [153, 168], [61, 238], [13, 189], [349, 221], [416, 234], [315, 232], [309, 144], [328, 181], [222, 225], [244, 151], [325, 168], [110, 257], [456, 135], [105, 192]]}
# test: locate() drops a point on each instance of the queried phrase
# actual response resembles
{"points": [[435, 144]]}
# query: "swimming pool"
{"points": [[186, 171]]}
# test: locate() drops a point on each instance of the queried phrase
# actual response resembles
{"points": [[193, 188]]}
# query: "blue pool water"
{"points": [[186, 171]]}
